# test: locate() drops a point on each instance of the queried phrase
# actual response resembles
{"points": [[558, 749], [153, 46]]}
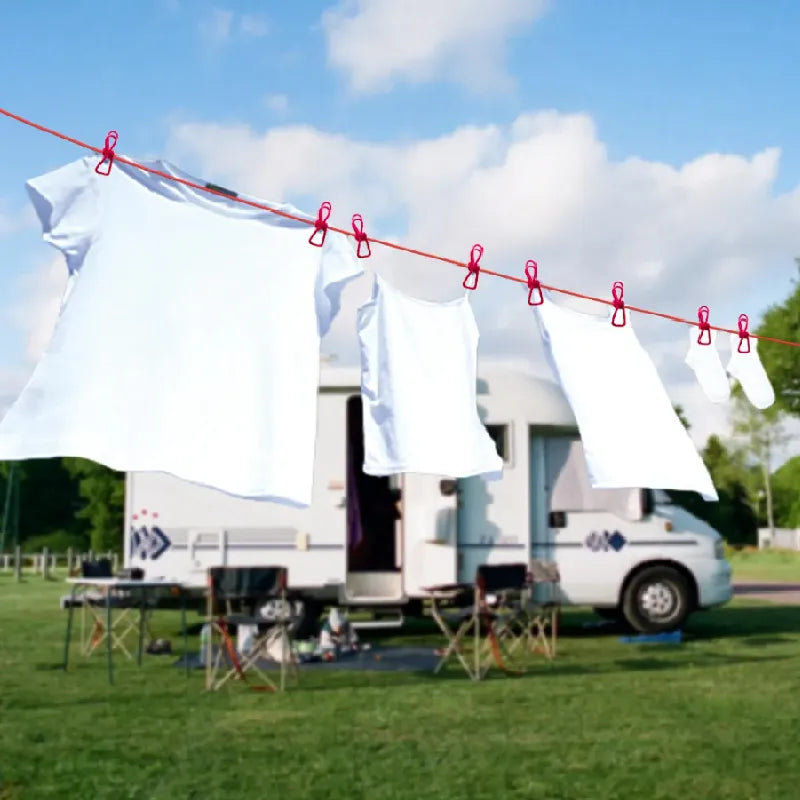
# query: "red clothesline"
{"points": [[109, 156]]}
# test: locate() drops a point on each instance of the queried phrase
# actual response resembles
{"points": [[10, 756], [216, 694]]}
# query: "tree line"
{"points": [[60, 503], [72, 502]]}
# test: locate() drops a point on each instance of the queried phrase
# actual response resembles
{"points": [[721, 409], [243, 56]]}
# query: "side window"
{"points": [[500, 436]]}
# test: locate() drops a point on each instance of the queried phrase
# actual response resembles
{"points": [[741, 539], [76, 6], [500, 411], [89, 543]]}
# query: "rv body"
{"points": [[625, 552]]}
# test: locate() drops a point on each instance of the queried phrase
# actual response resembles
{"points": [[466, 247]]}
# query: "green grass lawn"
{"points": [[716, 718], [766, 565]]}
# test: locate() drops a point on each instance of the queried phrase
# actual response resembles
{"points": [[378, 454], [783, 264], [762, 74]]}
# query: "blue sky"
{"points": [[664, 82]]}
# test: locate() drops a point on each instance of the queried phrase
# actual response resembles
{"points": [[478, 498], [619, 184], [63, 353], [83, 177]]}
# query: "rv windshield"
{"points": [[659, 497]]}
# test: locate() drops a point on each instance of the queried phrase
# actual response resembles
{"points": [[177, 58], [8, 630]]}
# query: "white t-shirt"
{"points": [[419, 388], [189, 341], [632, 437]]}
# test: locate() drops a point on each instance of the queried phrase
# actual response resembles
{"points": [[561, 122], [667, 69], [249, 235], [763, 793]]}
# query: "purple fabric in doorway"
{"points": [[355, 532]]}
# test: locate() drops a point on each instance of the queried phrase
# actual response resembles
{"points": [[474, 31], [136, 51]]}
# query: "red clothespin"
{"points": [[474, 268], [108, 153], [532, 273], [744, 335], [617, 291], [705, 328], [361, 237], [321, 224]]}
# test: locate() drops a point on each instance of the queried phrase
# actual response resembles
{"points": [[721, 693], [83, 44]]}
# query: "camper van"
{"points": [[376, 543]]}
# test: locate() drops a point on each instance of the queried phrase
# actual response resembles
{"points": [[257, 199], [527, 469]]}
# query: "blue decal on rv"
{"points": [[149, 543], [602, 542]]}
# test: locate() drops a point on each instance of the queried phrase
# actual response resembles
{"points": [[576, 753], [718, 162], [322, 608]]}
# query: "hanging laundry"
{"points": [[631, 435], [419, 388], [706, 364], [189, 342], [746, 367]]}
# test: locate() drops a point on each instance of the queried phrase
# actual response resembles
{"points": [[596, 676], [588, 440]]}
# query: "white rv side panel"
{"points": [[493, 515], [203, 527], [429, 534]]}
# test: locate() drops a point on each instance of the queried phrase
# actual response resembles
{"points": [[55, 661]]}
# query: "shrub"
{"points": [[56, 542]]}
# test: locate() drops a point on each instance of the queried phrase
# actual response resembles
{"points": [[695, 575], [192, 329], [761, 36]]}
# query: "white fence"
{"points": [[46, 563], [784, 539]]}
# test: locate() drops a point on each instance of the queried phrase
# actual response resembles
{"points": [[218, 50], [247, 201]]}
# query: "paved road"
{"points": [[785, 593]]}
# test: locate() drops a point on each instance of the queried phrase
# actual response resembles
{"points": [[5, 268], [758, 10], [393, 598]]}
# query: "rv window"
{"points": [[499, 434], [660, 497]]}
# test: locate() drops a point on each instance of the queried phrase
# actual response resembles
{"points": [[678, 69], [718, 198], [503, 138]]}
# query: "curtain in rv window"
{"points": [[568, 487]]}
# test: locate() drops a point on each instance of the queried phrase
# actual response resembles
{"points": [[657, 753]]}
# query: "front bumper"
{"points": [[714, 582]]}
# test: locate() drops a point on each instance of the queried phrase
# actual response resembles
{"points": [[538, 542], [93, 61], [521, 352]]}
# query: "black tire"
{"points": [[657, 600]]}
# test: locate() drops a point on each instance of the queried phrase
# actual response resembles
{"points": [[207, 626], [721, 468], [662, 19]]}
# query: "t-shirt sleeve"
{"points": [[66, 202], [338, 265]]}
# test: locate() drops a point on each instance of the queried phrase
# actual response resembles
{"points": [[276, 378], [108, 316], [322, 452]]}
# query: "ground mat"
{"points": [[378, 659]]}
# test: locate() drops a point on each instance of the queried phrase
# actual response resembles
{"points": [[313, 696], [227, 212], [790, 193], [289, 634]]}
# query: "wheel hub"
{"points": [[659, 600]]}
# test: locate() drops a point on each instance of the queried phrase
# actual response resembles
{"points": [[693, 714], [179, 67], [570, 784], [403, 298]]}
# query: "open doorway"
{"points": [[372, 505]]}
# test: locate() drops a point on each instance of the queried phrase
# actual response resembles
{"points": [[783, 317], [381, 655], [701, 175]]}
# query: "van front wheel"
{"points": [[656, 600]]}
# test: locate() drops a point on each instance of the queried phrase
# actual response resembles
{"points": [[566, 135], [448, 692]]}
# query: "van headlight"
{"points": [[719, 549]]}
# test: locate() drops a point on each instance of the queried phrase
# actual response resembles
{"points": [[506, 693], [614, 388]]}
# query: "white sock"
{"points": [[749, 371], [705, 361]]}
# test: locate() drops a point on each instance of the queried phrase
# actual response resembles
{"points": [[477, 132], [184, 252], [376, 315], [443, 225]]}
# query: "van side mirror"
{"points": [[557, 519], [448, 487], [648, 502]]}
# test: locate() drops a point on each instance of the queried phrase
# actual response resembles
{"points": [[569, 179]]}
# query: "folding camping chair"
{"points": [[495, 612], [542, 607], [235, 597]]}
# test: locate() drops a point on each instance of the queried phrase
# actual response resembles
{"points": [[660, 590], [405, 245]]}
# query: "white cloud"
{"points": [[277, 103], [378, 43], [11, 381], [710, 231], [11, 222], [253, 25], [215, 28], [220, 25], [36, 314]]}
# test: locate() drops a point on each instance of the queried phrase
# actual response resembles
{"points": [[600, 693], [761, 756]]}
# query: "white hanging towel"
{"points": [[189, 341], [419, 388], [632, 437]]}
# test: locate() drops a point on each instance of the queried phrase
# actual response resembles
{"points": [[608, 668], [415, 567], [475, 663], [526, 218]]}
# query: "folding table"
{"points": [[143, 590]]}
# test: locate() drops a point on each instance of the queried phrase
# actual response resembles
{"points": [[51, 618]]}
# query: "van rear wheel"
{"points": [[656, 600]]}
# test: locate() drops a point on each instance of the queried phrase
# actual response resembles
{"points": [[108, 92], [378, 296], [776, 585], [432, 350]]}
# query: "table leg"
{"points": [[109, 643], [70, 612], [185, 634], [142, 613]]}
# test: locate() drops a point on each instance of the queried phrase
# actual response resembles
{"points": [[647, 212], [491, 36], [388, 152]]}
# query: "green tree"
{"points": [[786, 494], [782, 363], [761, 434], [102, 494], [47, 498], [733, 514], [681, 414]]}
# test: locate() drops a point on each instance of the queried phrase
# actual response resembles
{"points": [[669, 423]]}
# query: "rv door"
{"points": [[430, 551]]}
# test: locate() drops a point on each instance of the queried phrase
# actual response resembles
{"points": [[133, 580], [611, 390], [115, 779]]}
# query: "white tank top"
{"points": [[631, 435], [418, 385]]}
